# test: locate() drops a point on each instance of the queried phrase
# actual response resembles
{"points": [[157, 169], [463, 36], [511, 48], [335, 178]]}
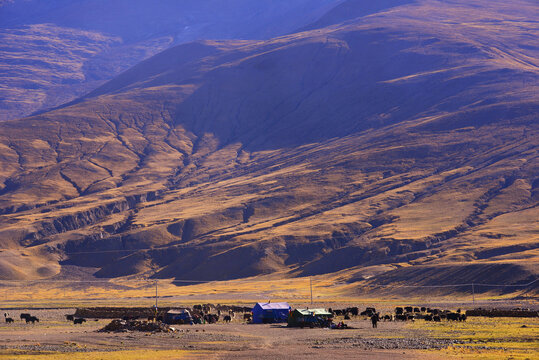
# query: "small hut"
{"points": [[269, 313], [310, 318], [178, 316]]}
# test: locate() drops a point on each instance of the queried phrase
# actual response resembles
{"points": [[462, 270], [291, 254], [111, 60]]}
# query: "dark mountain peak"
{"points": [[95, 40], [352, 9]]}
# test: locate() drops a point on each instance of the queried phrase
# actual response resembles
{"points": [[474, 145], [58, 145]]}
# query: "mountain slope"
{"points": [[388, 140], [352, 9], [54, 51]]}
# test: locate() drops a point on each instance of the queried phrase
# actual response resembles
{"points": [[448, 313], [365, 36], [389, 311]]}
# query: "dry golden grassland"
{"points": [[56, 338], [325, 289], [487, 338], [477, 338]]}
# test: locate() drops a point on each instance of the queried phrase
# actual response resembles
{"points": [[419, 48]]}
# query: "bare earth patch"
{"points": [[55, 338]]}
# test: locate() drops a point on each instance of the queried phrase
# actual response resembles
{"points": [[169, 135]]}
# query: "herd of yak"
{"points": [[211, 314], [404, 314], [24, 317]]}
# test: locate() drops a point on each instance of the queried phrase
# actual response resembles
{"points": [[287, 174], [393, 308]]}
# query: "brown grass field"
{"points": [[55, 338]]}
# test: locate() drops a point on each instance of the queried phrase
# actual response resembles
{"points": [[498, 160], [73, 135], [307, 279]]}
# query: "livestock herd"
{"points": [[209, 314], [406, 313], [24, 317]]}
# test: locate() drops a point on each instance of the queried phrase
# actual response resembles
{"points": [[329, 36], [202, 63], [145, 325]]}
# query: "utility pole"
{"points": [[311, 283], [155, 295], [473, 294]]}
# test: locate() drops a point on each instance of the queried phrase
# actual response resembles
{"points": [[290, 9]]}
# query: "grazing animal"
{"points": [[247, 317], [227, 318], [211, 318], [436, 318], [368, 312], [428, 317], [409, 309], [70, 317], [346, 316], [9, 320], [25, 316], [399, 310], [32, 319], [416, 310], [423, 309], [79, 321]]}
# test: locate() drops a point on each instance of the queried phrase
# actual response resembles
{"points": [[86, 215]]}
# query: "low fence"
{"points": [[118, 312], [502, 313]]}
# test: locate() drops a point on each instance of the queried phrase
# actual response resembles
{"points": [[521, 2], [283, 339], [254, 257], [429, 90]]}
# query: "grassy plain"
{"points": [[488, 338], [55, 338], [477, 338], [326, 289]]}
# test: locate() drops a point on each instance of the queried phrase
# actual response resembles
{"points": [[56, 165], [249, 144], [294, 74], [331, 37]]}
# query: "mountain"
{"points": [[401, 146], [54, 51], [352, 9]]}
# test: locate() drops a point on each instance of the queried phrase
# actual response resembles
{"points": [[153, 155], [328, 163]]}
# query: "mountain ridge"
{"points": [[384, 143], [56, 51]]}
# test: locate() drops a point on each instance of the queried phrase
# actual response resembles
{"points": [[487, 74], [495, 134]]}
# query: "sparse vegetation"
{"points": [[479, 337], [488, 338], [386, 157]]}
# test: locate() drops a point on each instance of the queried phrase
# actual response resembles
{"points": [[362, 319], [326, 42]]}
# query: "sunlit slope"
{"points": [[403, 139]]}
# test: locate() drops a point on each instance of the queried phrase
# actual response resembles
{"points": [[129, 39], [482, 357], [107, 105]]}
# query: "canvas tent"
{"points": [[268, 313], [178, 316], [309, 318]]}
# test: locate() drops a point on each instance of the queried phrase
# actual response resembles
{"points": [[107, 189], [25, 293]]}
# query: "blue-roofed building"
{"points": [[268, 313]]}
